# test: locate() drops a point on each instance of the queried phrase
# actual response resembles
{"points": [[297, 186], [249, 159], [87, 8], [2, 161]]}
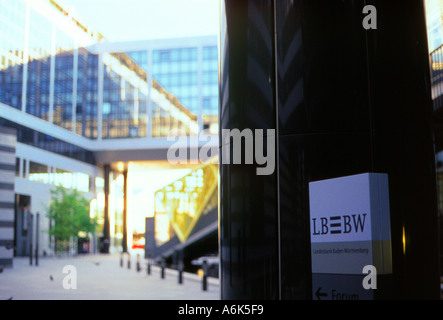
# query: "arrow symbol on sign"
{"points": [[319, 294]]}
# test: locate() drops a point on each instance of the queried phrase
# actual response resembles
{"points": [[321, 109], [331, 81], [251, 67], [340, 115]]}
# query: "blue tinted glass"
{"points": [[210, 53], [175, 55]]}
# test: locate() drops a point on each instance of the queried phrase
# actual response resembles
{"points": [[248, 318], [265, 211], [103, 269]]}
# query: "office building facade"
{"points": [[185, 67], [75, 111]]}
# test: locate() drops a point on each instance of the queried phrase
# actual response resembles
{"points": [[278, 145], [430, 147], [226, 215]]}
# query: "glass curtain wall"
{"points": [[64, 80], [87, 94], [124, 98], [12, 39], [210, 88], [192, 76], [43, 72], [39, 66], [177, 71], [169, 115]]}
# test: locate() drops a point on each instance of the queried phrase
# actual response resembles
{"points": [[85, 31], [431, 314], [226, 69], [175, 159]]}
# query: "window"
{"points": [[38, 172], [210, 53], [17, 167], [63, 178], [164, 56], [206, 102]]}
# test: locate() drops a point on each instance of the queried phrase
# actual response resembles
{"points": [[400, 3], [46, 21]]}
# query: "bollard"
{"points": [[205, 277], [37, 233], [30, 227], [129, 260], [138, 268], [162, 272], [121, 259], [204, 283], [180, 272], [148, 268]]}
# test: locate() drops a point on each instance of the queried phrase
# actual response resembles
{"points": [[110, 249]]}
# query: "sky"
{"points": [[128, 20]]}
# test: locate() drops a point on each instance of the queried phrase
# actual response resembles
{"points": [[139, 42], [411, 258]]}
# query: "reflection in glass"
{"points": [[38, 172], [124, 94], [179, 205], [86, 113], [169, 115], [64, 80], [12, 35], [46, 65], [71, 180], [39, 66], [177, 70]]}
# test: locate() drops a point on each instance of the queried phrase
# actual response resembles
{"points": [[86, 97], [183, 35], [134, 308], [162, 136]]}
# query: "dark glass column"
{"points": [[402, 140], [248, 216], [343, 100]]}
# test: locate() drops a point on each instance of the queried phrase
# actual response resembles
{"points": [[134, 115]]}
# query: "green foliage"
{"points": [[69, 214]]}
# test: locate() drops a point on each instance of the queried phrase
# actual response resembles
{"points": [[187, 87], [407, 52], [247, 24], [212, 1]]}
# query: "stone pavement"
{"points": [[99, 277]]}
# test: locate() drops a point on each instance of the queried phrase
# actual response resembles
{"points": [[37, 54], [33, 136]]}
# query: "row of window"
{"points": [[12, 30], [140, 57], [169, 80], [177, 67], [174, 67], [43, 173], [46, 142], [184, 66], [181, 54], [210, 53]]}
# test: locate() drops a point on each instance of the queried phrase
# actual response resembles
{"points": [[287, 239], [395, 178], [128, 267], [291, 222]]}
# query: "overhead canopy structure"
{"points": [[185, 225]]}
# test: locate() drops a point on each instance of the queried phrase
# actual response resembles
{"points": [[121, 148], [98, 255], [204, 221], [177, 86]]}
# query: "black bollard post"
{"points": [[30, 227], [162, 272], [148, 268], [138, 268], [121, 259], [129, 260], [37, 231], [180, 272], [205, 279]]}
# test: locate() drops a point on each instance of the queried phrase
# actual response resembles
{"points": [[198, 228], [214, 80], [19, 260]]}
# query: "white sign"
{"points": [[346, 208], [350, 224]]}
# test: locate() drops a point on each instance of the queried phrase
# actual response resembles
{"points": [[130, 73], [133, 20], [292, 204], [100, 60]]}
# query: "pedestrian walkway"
{"points": [[99, 277]]}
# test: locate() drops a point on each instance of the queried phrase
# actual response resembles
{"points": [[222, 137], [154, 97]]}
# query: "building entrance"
{"points": [[23, 226]]}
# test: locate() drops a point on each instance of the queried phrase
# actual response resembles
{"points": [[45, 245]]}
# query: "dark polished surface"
{"points": [[248, 210], [349, 101], [402, 143], [321, 56], [305, 158]]}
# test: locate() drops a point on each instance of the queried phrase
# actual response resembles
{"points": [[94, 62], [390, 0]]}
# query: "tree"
{"points": [[69, 215]]}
